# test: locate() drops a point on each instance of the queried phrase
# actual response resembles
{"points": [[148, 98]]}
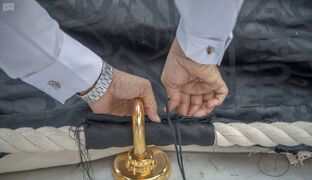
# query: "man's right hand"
{"points": [[194, 89], [118, 98]]}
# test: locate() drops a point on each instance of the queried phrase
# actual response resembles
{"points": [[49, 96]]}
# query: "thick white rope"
{"points": [[58, 139], [38, 140], [268, 135]]}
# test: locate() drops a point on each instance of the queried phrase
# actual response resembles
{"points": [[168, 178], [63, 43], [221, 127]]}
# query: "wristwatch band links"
{"points": [[101, 85]]}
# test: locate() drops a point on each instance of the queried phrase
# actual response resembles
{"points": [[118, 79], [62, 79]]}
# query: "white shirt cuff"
{"points": [[76, 69], [196, 48]]}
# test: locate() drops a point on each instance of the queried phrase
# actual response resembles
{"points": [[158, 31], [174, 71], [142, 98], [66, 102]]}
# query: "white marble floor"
{"points": [[198, 166]]}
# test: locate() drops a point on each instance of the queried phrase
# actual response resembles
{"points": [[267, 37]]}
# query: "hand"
{"points": [[118, 98], [194, 89]]}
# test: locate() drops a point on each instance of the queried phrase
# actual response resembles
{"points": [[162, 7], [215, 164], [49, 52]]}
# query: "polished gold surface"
{"points": [[141, 162], [138, 124]]}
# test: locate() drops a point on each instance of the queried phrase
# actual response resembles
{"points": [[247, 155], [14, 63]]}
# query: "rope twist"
{"points": [[58, 139], [264, 134], [38, 140]]}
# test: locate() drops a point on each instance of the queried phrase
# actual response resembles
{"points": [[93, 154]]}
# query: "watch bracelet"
{"points": [[101, 85]]}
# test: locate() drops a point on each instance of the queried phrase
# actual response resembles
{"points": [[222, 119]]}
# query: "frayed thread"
{"points": [[85, 165]]}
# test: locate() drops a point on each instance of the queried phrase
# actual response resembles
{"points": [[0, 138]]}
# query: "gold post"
{"points": [[141, 162], [138, 124]]}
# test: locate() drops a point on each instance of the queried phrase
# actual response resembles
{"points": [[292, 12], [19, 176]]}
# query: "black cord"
{"points": [[176, 134], [180, 147], [174, 137]]}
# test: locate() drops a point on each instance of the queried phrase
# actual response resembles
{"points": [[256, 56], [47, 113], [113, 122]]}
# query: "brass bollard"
{"points": [[141, 162]]}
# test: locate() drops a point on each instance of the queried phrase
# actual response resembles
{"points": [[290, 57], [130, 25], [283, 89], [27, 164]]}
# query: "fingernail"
{"points": [[157, 118]]}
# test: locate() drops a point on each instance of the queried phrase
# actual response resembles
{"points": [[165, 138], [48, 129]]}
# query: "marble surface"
{"points": [[198, 166]]}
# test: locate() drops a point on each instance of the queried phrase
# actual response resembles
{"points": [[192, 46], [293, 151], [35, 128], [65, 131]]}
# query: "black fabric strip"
{"points": [[102, 131], [107, 118], [2, 154], [292, 149]]}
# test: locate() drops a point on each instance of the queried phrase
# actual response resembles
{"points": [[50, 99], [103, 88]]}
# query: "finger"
{"points": [[150, 104], [219, 97], [174, 95], [208, 96], [196, 102], [212, 103], [202, 111], [184, 106], [174, 99]]}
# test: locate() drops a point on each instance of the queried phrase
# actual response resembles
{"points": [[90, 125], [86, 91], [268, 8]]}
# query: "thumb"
{"points": [[150, 104], [174, 99], [173, 93]]}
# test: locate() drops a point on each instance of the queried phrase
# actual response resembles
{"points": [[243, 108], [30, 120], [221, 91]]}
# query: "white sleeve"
{"points": [[34, 49], [205, 28]]}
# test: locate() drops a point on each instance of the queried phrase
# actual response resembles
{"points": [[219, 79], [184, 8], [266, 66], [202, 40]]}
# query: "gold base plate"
{"points": [[160, 170]]}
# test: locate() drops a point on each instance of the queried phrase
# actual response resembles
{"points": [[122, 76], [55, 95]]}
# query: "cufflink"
{"points": [[54, 84], [210, 49]]}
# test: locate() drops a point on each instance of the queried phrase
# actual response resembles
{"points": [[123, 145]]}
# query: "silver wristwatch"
{"points": [[101, 85]]}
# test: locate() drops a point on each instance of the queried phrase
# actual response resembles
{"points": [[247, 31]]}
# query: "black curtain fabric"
{"points": [[267, 67], [104, 131]]}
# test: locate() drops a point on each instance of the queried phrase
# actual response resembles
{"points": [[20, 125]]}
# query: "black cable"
{"points": [[174, 137], [180, 147], [175, 130]]}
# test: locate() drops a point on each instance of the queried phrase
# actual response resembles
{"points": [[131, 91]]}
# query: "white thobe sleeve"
{"points": [[34, 49], [205, 28]]}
